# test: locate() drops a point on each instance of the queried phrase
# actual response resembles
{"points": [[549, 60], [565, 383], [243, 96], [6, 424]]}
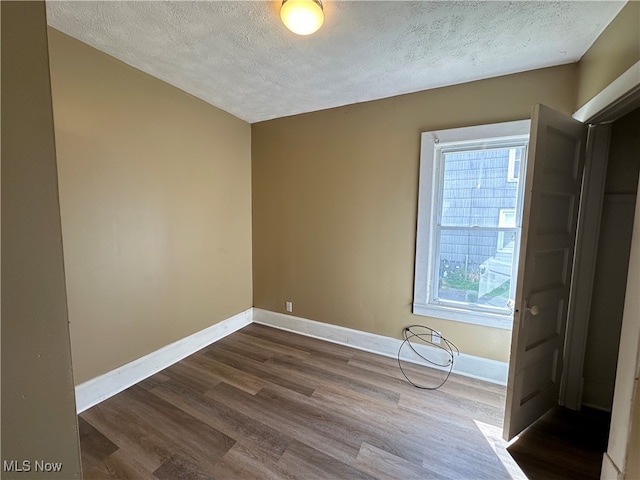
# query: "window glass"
{"points": [[515, 157], [475, 260], [475, 187], [472, 272], [506, 239]]}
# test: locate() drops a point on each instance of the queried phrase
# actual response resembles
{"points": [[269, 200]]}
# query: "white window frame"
{"points": [[502, 224], [428, 198]]}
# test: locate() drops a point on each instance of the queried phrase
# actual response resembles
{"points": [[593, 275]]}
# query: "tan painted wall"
{"points": [[36, 357], [617, 49], [335, 202], [155, 194]]}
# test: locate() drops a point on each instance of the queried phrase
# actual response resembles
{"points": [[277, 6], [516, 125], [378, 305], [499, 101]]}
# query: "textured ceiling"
{"points": [[238, 56]]}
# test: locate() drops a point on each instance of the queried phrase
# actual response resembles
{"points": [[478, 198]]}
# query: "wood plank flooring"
{"points": [[564, 444], [267, 404]]}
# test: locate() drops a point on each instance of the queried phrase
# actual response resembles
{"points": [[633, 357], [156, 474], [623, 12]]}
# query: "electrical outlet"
{"points": [[435, 337], [289, 306]]}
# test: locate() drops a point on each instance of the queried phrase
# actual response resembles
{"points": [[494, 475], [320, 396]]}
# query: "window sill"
{"points": [[494, 320]]}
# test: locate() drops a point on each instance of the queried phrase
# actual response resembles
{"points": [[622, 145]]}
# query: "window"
{"points": [[515, 158], [469, 218], [507, 238]]}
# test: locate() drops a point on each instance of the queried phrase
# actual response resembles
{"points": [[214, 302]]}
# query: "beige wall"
{"points": [[335, 202], [617, 49], [38, 403], [155, 194]]}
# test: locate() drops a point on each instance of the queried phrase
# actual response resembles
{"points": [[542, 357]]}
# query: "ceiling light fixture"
{"points": [[302, 16]]}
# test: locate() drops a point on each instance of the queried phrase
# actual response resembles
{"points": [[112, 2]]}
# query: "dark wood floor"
{"points": [[264, 403], [563, 444]]}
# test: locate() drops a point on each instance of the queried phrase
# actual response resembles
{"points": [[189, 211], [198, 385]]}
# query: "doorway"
{"points": [[585, 432], [612, 260]]}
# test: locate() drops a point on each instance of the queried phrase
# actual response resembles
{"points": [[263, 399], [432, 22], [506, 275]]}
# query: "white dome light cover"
{"points": [[302, 17]]}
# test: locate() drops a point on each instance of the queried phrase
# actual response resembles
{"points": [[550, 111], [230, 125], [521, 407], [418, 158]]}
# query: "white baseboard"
{"points": [[468, 365], [100, 388], [97, 389]]}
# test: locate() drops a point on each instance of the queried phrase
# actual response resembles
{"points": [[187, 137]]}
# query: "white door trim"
{"points": [[612, 102], [612, 93], [626, 397], [584, 266], [618, 98]]}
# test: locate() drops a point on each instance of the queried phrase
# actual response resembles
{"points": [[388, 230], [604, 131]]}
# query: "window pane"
{"points": [[515, 160], [506, 240], [507, 218], [472, 269], [476, 187]]}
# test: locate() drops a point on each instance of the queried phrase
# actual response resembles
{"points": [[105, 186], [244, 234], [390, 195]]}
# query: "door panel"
{"points": [[549, 220]]}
